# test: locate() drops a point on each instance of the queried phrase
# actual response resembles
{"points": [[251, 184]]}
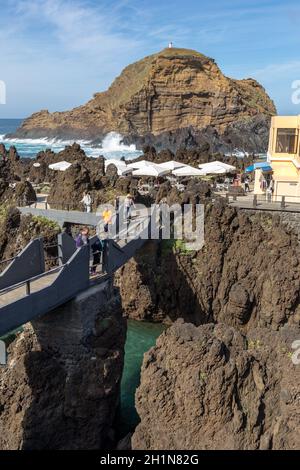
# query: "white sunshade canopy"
{"points": [[188, 171], [216, 167], [150, 170], [140, 164], [114, 161], [60, 166], [172, 165]]}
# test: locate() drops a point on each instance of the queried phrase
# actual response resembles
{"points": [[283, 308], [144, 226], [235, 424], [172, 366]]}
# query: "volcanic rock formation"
{"points": [[246, 275], [213, 388], [17, 230], [176, 94], [60, 389]]}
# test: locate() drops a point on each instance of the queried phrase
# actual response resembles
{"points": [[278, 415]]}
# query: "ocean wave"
{"points": [[113, 143], [111, 146], [42, 141]]}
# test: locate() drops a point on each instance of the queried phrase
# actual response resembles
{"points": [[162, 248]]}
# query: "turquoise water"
{"points": [[141, 336], [111, 146]]}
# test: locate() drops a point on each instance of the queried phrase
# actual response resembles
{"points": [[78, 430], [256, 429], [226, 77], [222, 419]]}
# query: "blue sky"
{"points": [[54, 54]]}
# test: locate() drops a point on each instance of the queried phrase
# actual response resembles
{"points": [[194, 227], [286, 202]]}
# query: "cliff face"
{"points": [[212, 388], [172, 90], [246, 275], [225, 379], [16, 231]]}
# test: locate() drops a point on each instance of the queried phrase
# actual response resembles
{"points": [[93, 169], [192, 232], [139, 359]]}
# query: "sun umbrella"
{"points": [[188, 171], [265, 166], [171, 165], [216, 167], [140, 164], [60, 166], [120, 165], [150, 170]]}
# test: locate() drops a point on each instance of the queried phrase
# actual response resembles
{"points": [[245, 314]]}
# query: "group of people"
{"points": [[128, 205], [98, 247]]}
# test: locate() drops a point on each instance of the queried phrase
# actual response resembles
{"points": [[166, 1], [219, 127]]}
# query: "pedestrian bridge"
{"points": [[62, 217], [28, 290]]}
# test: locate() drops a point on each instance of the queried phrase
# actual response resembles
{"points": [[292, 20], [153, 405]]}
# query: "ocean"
{"points": [[111, 146], [141, 336]]}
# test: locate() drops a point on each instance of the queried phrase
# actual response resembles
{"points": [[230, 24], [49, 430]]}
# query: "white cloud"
{"points": [[58, 53], [78, 27], [280, 70]]}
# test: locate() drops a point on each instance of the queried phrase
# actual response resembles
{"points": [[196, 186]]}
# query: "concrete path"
{"points": [[20, 292]]}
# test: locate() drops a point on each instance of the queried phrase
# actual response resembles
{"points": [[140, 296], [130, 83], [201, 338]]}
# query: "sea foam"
{"points": [[111, 146]]}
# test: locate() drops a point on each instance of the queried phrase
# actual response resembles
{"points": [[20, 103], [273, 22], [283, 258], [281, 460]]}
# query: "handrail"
{"points": [[68, 206], [31, 279], [46, 247], [73, 277], [264, 198], [8, 260]]}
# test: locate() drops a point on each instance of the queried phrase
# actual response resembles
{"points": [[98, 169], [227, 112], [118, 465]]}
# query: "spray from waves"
{"points": [[111, 146], [113, 143]]}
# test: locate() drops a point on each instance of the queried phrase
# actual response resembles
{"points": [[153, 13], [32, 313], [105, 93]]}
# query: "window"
{"points": [[286, 141]]}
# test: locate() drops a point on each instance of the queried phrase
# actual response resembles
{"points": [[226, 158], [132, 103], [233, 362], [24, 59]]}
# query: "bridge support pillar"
{"points": [[63, 376]]}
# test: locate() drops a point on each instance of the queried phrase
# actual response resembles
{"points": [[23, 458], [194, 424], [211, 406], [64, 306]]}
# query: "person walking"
{"points": [[270, 190], [117, 203], [97, 250], [247, 184], [129, 205], [117, 211], [107, 218], [87, 201]]}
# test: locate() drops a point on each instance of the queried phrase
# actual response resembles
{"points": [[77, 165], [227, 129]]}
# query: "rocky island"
{"points": [[175, 98]]}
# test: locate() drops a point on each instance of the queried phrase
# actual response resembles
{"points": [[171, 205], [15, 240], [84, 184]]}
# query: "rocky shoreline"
{"points": [[233, 309], [212, 387]]}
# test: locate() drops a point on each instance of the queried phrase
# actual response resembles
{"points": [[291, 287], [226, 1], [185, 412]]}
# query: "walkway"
{"points": [[28, 290], [250, 202], [21, 290], [62, 216]]}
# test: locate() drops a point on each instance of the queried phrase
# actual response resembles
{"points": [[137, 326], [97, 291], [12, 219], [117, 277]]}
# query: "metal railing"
{"points": [[283, 201], [47, 258], [27, 282], [8, 260], [65, 206]]}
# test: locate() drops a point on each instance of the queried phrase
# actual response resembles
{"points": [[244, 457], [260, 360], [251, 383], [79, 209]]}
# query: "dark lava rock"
{"points": [[214, 388]]}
